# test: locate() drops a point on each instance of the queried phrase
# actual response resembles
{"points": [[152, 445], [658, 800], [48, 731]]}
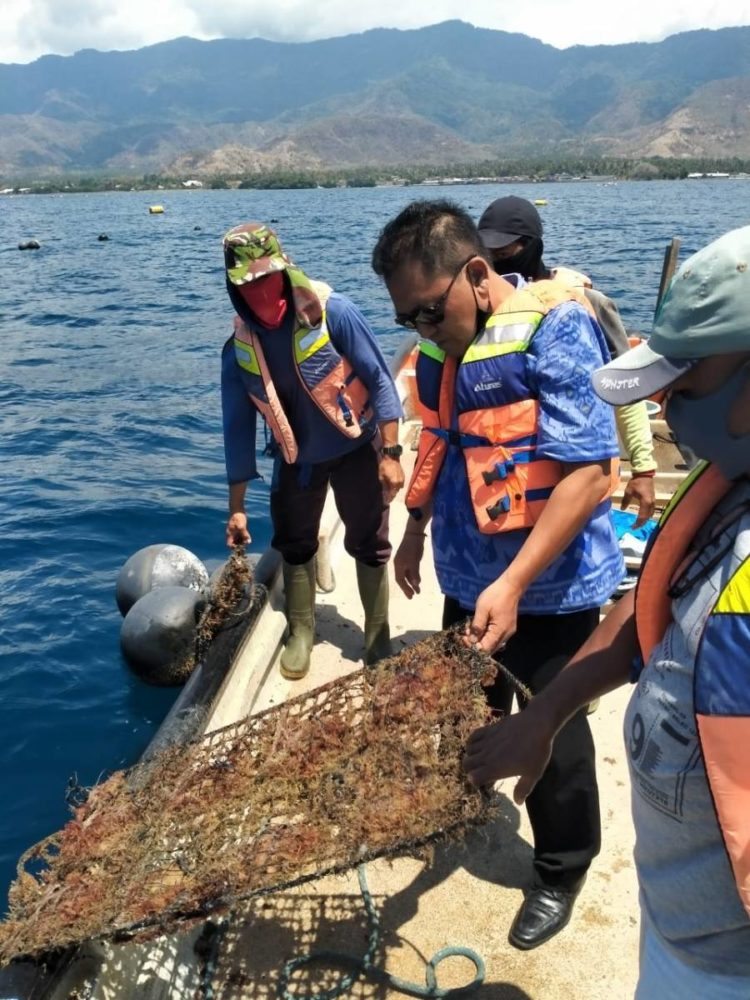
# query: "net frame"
{"points": [[363, 767]]}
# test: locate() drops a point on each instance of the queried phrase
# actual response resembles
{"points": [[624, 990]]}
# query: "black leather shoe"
{"points": [[544, 912]]}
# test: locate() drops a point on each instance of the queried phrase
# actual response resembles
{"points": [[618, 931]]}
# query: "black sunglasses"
{"points": [[431, 315]]}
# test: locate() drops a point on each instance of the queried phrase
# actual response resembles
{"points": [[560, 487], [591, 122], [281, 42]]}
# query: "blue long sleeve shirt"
{"points": [[318, 440]]}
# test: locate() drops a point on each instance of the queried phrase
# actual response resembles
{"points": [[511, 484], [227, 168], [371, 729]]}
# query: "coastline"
{"points": [[610, 171]]}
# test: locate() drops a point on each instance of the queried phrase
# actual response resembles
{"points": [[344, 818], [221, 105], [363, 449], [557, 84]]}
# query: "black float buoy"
{"points": [[158, 635], [155, 566], [102, 237], [30, 245]]}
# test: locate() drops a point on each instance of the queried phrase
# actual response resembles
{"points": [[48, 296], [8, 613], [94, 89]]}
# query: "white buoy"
{"points": [[156, 566], [158, 634]]}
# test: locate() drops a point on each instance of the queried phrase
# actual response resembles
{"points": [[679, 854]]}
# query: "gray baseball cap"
{"points": [[705, 311]]}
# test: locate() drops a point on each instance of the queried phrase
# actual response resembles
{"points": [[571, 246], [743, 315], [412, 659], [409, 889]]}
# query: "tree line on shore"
{"points": [[526, 169]]}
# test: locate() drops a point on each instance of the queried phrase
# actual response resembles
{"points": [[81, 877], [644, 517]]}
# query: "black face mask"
{"points": [[527, 262]]}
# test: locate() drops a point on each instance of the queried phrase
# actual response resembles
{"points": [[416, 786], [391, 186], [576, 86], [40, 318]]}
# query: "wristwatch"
{"points": [[392, 451]]}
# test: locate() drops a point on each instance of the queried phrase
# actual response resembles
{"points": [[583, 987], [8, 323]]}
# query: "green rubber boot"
{"points": [[373, 589], [299, 587]]}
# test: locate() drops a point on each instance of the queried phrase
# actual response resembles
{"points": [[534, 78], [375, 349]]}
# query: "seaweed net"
{"points": [[366, 766]]}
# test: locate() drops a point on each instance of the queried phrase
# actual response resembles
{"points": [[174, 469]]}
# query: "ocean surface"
{"points": [[111, 422]]}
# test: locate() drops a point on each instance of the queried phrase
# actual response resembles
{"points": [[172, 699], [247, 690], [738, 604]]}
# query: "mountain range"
{"points": [[448, 93]]}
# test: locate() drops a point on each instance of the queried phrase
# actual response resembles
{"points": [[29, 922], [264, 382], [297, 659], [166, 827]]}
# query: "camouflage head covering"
{"points": [[252, 250]]}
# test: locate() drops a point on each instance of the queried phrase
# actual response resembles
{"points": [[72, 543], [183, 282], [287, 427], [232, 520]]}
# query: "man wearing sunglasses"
{"points": [[305, 358], [683, 637], [511, 229], [514, 469]]}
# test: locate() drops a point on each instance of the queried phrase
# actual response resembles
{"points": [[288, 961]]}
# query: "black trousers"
{"points": [[298, 497], [564, 807]]}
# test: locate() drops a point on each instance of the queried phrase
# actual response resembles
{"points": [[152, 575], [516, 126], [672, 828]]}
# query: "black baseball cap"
{"points": [[507, 219]]}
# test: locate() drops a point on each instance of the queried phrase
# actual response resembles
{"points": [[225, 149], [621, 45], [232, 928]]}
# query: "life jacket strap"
{"points": [[345, 411], [458, 439]]}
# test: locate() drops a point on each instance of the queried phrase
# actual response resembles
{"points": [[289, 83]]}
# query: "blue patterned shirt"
{"points": [[574, 426]]}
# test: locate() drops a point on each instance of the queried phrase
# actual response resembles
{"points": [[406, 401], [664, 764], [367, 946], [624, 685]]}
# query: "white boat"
{"points": [[468, 895]]}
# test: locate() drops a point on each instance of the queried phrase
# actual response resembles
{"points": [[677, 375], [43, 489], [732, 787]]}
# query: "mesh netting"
{"points": [[365, 766]]}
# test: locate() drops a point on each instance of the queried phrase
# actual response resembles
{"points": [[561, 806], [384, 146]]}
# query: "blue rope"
{"points": [[364, 965]]}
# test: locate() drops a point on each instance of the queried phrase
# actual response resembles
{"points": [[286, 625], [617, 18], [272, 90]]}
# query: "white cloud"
{"points": [[587, 22], [30, 28]]}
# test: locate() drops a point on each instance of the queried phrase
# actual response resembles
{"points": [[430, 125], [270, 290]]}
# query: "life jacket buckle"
{"points": [[345, 411], [498, 509], [500, 471]]}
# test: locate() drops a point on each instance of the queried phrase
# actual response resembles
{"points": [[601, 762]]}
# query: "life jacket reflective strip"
{"points": [[571, 278], [509, 486], [721, 682], [324, 374]]}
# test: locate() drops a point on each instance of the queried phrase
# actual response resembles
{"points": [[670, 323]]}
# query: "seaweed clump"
{"points": [[233, 597], [366, 766]]}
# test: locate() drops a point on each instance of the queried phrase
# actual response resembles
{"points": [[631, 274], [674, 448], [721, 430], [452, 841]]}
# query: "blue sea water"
{"points": [[111, 426]]}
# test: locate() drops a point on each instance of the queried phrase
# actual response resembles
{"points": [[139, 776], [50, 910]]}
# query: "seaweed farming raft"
{"points": [[365, 766]]}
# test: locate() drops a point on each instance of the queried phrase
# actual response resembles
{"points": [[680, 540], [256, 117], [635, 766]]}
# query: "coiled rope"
{"points": [[365, 964]]}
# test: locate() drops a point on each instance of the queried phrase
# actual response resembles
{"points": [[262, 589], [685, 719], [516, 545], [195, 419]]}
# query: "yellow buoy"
{"points": [[540, 201], [156, 209]]}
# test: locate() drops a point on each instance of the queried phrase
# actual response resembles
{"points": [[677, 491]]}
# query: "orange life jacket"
{"points": [[328, 377], [497, 415], [722, 666]]}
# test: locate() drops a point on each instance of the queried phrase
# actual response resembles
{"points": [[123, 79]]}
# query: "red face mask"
{"points": [[266, 298]]}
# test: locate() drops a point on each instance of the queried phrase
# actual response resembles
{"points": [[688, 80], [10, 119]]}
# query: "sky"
{"points": [[32, 28]]}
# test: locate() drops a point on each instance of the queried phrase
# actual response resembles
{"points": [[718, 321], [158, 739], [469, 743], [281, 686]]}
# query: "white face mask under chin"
{"points": [[702, 425]]}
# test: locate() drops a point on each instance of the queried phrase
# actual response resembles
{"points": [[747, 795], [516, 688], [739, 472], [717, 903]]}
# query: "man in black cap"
{"points": [[511, 229]]}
